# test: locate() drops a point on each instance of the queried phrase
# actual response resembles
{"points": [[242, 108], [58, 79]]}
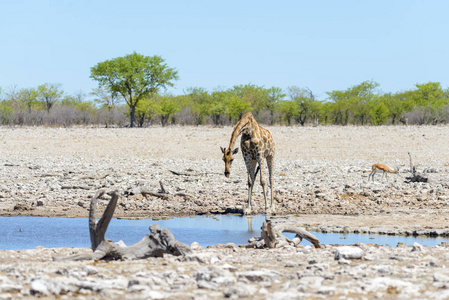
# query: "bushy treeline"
{"points": [[362, 104]]}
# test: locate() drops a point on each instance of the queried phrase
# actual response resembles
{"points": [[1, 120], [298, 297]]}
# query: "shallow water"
{"points": [[18, 233]]}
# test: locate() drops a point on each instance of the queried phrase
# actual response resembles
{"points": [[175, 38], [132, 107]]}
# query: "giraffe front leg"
{"points": [[250, 166], [270, 162], [263, 184]]}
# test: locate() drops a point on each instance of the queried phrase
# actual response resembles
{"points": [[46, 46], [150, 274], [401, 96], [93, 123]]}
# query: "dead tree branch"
{"points": [[162, 193], [98, 229], [155, 244], [162, 190], [182, 173], [412, 167], [193, 174], [273, 238], [415, 176], [146, 192]]}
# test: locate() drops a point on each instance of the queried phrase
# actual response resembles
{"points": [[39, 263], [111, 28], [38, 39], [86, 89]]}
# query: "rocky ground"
{"points": [[320, 183], [403, 272]]}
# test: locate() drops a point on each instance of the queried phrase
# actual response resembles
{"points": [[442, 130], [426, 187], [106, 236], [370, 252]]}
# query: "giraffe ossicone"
{"points": [[257, 145]]}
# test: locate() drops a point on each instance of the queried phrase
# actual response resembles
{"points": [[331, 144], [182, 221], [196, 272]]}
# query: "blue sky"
{"points": [[322, 45]]}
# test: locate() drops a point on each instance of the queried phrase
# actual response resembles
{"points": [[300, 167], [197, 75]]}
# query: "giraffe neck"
{"points": [[247, 121]]}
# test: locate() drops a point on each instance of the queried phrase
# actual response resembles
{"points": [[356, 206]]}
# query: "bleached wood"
{"points": [[274, 238], [160, 240]]}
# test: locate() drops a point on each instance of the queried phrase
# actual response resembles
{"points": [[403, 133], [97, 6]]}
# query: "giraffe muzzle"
{"points": [[227, 174]]}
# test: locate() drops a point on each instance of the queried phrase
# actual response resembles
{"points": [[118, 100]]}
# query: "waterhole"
{"points": [[19, 233]]}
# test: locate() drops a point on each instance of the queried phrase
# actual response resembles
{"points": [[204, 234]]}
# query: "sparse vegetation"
{"points": [[129, 93]]}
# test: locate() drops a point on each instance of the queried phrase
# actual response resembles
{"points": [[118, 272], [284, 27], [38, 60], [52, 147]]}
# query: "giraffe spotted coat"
{"points": [[257, 145]]}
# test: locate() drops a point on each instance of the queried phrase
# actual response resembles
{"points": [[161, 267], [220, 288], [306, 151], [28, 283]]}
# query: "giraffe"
{"points": [[257, 144]]}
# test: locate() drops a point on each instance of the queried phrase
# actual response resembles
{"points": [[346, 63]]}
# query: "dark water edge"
{"points": [[19, 233]]}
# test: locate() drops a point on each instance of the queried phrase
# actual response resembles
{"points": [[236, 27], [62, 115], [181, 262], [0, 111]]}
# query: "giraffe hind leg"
{"points": [[263, 184], [270, 163]]}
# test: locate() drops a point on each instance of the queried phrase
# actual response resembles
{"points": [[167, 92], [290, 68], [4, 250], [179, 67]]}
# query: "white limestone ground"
{"points": [[321, 182], [363, 272]]}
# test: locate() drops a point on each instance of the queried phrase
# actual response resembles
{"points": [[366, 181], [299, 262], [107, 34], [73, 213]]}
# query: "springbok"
{"points": [[381, 167]]}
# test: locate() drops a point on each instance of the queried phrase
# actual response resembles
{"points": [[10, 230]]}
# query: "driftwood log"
{"points": [[155, 244], [272, 237], [415, 176], [162, 193]]}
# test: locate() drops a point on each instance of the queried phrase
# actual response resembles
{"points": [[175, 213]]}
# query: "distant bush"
{"points": [[362, 104]]}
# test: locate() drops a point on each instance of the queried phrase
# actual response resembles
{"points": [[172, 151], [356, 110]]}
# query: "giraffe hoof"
{"points": [[270, 211], [247, 212]]}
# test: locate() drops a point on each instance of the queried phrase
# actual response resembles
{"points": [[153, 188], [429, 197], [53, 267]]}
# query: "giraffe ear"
{"points": [[236, 150], [222, 150]]}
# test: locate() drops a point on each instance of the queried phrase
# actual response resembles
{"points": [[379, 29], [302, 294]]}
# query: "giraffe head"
{"points": [[227, 158]]}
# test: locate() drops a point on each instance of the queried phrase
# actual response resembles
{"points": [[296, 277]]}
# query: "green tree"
{"points": [[256, 96], [68, 100], [326, 110], [362, 97], [200, 102], [380, 113], [340, 107], [288, 110], [430, 98], [168, 106], [308, 107], [356, 101], [107, 101], [146, 110], [237, 107], [49, 94], [218, 107], [397, 104], [6, 113], [28, 97], [134, 77], [274, 96]]}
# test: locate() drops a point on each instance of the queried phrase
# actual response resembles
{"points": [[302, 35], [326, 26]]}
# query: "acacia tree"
{"points": [[430, 99], [28, 97], [307, 105], [146, 110], [340, 107], [168, 106], [274, 96], [200, 102], [363, 96], [288, 110], [237, 107], [134, 77], [49, 94], [397, 104], [218, 106]]}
